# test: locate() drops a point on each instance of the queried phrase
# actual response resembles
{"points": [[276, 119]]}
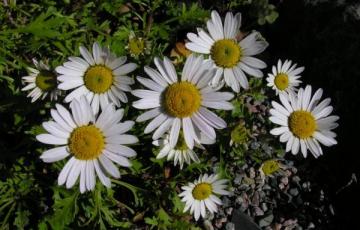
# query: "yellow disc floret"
{"points": [[302, 124], [281, 81], [46, 80], [86, 142], [226, 53], [270, 166], [181, 99], [136, 46], [202, 191], [98, 79]]}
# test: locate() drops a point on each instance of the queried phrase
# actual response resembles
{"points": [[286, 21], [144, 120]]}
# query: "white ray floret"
{"points": [[100, 76], [231, 58], [284, 77], [181, 104], [181, 153], [202, 195], [41, 82], [92, 144], [304, 121]]}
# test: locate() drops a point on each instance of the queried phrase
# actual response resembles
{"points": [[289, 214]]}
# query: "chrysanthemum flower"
{"points": [[181, 153], [100, 76], [181, 104], [284, 77], [304, 121], [41, 81], [202, 195], [93, 144], [231, 58], [137, 45]]}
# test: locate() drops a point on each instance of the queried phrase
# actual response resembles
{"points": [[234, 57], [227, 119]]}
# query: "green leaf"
{"points": [[65, 208]]}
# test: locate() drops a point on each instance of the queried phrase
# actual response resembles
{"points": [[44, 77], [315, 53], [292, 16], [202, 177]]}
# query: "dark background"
{"points": [[325, 38]]}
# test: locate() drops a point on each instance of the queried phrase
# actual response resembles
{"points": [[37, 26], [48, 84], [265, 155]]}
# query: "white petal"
{"points": [[117, 62], [70, 84], [151, 84], [51, 140], [279, 131], [254, 62], [97, 54], [65, 171], [164, 127], [170, 69], [211, 118], [54, 154], [241, 77], [174, 132], [76, 93], [90, 175], [55, 129], [250, 70], [86, 55], [188, 131], [295, 146], [197, 48], [119, 128], [161, 67], [125, 69], [156, 122], [143, 93], [83, 178], [230, 80], [325, 140], [218, 105], [148, 103], [122, 139], [121, 150], [156, 76], [204, 127], [109, 166], [118, 159], [104, 179], [74, 173], [148, 115]]}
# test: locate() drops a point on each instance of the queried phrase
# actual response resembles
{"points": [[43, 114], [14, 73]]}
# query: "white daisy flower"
{"points": [[181, 153], [202, 195], [231, 58], [93, 143], [181, 105], [304, 121], [41, 81], [284, 77], [100, 76]]}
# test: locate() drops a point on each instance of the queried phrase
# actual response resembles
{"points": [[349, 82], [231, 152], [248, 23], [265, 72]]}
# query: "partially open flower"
{"points": [[138, 46], [41, 81]]}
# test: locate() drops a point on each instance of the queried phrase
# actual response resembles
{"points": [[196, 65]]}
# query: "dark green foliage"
{"points": [[49, 30]]}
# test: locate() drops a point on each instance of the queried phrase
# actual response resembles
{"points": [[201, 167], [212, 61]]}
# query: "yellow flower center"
{"points": [[181, 144], [181, 99], [46, 80], [86, 142], [270, 166], [202, 191], [98, 79], [302, 124], [226, 53], [281, 81], [136, 46], [239, 134]]}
